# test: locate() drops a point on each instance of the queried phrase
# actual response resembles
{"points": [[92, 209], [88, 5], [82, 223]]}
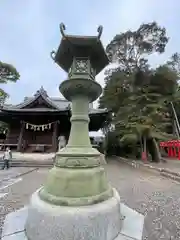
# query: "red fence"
{"points": [[173, 148]]}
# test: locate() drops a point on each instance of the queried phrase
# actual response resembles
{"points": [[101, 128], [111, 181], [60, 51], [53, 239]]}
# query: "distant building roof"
{"points": [[57, 104]]}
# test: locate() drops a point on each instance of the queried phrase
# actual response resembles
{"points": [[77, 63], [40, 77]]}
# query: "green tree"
{"points": [[131, 49], [136, 94], [174, 63], [8, 73]]}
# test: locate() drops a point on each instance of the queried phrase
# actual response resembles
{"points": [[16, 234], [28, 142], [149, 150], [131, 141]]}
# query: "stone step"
{"points": [[29, 163]]}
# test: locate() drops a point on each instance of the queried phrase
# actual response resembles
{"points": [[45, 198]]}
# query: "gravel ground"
{"points": [[19, 193], [156, 197]]}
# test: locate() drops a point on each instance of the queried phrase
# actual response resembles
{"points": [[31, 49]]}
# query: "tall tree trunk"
{"points": [[134, 150], [154, 150], [145, 145], [141, 144]]}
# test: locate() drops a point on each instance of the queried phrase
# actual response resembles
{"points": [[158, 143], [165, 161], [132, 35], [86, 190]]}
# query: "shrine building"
{"points": [[36, 124]]}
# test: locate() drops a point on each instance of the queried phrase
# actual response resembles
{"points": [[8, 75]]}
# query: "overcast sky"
{"points": [[30, 31]]}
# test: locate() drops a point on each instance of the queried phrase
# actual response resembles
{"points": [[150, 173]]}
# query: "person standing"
{"points": [[62, 142], [7, 157]]}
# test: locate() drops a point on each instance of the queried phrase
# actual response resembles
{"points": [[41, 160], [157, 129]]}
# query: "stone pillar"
{"points": [[19, 146]]}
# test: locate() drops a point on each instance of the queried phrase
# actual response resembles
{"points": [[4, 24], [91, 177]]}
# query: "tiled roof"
{"points": [[58, 104]]}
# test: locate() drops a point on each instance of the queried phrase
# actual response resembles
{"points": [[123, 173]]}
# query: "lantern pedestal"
{"points": [[99, 221]]}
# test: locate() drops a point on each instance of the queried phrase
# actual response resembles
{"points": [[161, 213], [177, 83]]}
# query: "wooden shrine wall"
{"points": [[38, 137], [13, 135], [31, 138]]}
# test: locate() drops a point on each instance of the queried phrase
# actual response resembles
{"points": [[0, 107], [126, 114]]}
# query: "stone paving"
{"points": [[156, 197]]}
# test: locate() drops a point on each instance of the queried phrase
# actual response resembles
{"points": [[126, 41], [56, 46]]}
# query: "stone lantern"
{"points": [[77, 202], [78, 165]]}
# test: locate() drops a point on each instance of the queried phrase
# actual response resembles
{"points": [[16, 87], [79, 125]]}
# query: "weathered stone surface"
{"points": [[68, 186], [16, 236], [14, 222], [132, 224], [101, 221], [131, 228]]}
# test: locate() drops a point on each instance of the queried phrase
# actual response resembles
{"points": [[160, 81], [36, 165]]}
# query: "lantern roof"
{"points": [[80, 47]]}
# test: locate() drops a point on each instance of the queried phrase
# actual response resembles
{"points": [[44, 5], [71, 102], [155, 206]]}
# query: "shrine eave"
{"points": [[16, 111], [33, 111]]}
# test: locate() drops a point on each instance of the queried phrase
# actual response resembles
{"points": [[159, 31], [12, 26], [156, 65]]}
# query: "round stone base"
{"points": [[101, 221]]}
